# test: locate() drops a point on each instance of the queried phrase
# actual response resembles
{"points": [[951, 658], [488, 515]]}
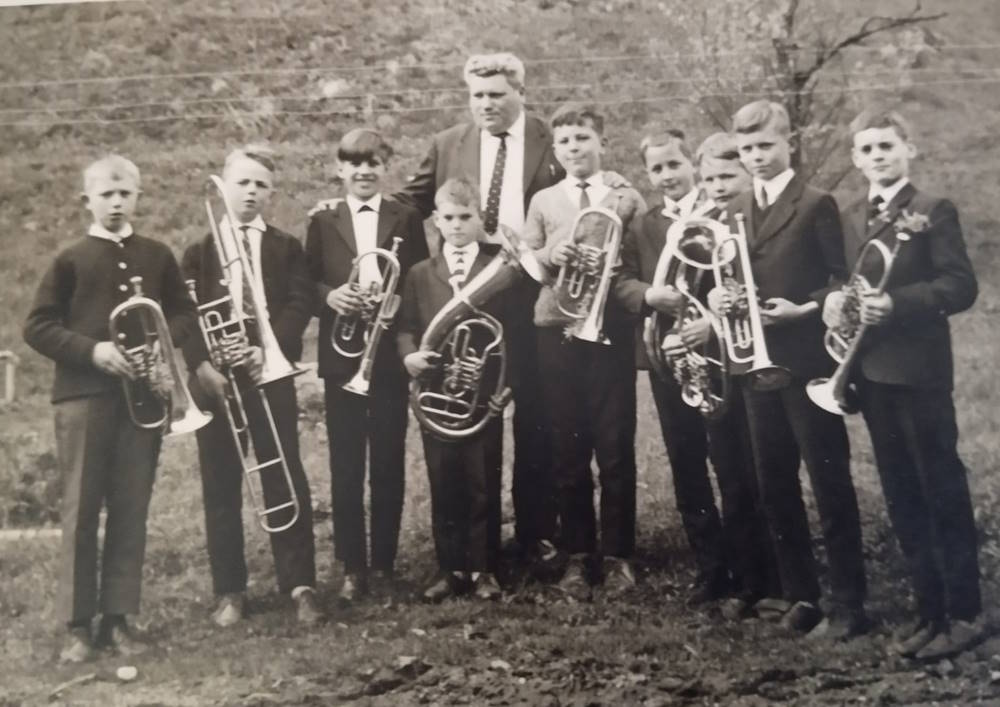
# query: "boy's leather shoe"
{"points": [[772, 608], [447, 584], [79, 648], [115, 635], [382, 584], [230, 609], [959, 636], [618, 576], [841, 625], [574, 582], [921, 633], [354, 587], [802, 617], [546, 561], [307, 611], [486, 587]]}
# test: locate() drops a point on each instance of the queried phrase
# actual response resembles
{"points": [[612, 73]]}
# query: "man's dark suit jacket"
{"points": [[289, 292], [931, 279], [330, 250], [796, 252], [454, 152]]}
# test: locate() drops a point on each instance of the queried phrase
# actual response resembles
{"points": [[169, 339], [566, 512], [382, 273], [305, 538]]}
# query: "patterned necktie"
{"points": [[762, 202], [459, 271], [496, 185], [248, 276], [584, 199]]}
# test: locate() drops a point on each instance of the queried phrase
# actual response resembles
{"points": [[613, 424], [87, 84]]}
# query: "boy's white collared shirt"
{"points": [[887, 193], [683, 207], [773, 187], [511, 212], [469, 254], [255, 232], [98, 231], [596, 188], [366, 235]]}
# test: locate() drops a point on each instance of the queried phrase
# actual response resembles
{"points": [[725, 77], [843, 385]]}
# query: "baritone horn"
{"points": [[358, 334], [224, 331], [836, 394], [468, 387], [582, 286], [158, 396], [685, 261], [742, 329]]}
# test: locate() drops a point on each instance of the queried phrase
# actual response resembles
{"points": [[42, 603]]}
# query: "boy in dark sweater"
{"points": [[103, 457]]}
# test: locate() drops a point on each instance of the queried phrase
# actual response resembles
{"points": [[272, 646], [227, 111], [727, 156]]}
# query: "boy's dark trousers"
{"points": [[375, 424], [914, 435], [222, 486], [104, 459], [589, 391], [465, 499], [786, 427]]}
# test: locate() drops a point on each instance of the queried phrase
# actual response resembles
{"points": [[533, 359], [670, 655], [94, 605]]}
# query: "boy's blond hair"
{"points": [[116, 166], [758, 115], [504, 63], [258, 152], [458, 191], [869, 118], [662, 138], [718, 146]]}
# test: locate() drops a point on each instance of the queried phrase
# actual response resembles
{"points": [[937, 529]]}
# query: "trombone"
{"points": [[153, 401], [224, 331], [380, 303], [742, 329]]}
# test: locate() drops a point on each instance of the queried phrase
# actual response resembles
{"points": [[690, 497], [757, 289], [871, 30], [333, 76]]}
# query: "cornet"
{"points": [[158, 395], [224, 331], [742, 329], [378, 309], [836, 394], [582, 286]]}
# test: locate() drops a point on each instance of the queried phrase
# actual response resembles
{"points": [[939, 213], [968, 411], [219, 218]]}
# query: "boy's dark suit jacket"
{"points": [[454, 152], [330, 249], [796, 252], [289, 292], [931, 279], [427, 290]]}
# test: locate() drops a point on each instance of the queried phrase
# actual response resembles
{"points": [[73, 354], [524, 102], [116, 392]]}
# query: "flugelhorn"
{"points": [[742, 329], [582, 286], [379, 305], [158, 397], [224, 330], [685, 261], [837, 394], [467, 388]]}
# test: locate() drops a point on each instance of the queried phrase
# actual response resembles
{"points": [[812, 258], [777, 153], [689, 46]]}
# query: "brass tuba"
{"points": [[377, 312], [686, 259], [158, 396], [742, 329], [582, 286], [836, 394], [468, 387], [224, 331]]}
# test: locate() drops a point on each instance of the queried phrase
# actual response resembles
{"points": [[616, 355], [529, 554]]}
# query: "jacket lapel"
{"points": [[534, 147], [387, 216], [440, 270], [345, 226], [468, 152], [780, 212]]}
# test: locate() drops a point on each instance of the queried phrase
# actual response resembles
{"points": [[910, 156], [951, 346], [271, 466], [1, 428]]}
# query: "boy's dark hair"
{"points": [[719, 146], [362, 144], [578, 114], [458, 191], [662, 138], [868, 118], [755, 116]]}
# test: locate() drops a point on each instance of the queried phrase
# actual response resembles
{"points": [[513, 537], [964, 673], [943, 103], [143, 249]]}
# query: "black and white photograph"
{"points": [[489, 352]]}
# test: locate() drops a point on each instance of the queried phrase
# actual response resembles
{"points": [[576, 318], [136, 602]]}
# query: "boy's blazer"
{"points": [[796, 252], [931, 279], [289, 292], [455, 153], [330, 250]]}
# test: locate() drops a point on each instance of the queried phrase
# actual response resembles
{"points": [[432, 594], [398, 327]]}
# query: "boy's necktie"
{"points": [[762, 202], [584, 199], [875, 209], [459, 271], [248, 276], [496, 184]]}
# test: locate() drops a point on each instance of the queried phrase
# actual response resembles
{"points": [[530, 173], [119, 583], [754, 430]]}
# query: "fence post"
{"points": [[10, 361]]}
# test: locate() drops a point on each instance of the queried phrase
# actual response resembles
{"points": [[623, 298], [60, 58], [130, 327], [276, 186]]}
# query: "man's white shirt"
{"points": [[887, 193], [596, 188], [366, 235], [255, 232], [99, 231], [469, 253], [773, 187]]}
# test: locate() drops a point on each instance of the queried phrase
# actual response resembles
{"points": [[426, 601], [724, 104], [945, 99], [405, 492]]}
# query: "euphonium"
{"points": [[468, 386], [583, 283], [684, 262], [742, 329], [380, 303], [224, 331], [836, 394], [158, 395]]}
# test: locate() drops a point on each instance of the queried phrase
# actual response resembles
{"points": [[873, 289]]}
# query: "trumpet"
{"points": [[742, 329], [685, 260], [380, 303], [158, 397], [227, 339], [837, 394], [583, 284], [468, 389]]}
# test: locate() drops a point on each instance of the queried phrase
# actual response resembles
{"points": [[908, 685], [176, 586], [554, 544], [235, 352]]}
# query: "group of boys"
{"points": [[757, 556]]}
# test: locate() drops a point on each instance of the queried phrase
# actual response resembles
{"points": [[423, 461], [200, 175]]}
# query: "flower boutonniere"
{"points": [[911, 222]]}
